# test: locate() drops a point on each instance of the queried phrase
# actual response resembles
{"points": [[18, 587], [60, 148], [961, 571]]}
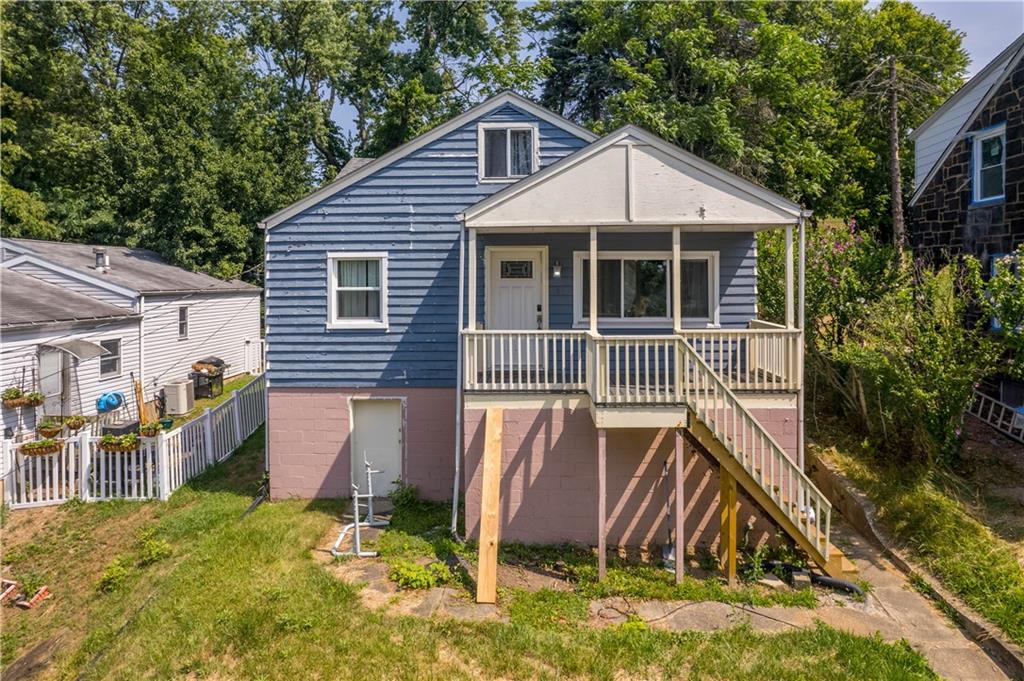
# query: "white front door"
{"points": [[377, 438], [54, 381], [515, 295]]}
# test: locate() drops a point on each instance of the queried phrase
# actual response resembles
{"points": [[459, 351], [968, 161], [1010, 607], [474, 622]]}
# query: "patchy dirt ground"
{"points": [[892, 608], [995, 482]]}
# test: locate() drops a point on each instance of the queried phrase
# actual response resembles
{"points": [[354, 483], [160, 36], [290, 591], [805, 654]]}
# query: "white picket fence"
{"points": [[160, 465]]}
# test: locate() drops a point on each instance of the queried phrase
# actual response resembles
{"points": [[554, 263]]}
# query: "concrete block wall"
{"points": [[549, 480], [309, 431]]}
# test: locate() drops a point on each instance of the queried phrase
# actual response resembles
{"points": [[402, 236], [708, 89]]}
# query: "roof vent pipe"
{"points": [[102, 259]]}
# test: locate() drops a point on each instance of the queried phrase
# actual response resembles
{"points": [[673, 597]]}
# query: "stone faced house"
{"points": [[969, 173]]}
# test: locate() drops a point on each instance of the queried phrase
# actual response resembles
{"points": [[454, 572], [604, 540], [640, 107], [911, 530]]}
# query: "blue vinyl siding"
{"points": [[407, 209], [736, 260]]}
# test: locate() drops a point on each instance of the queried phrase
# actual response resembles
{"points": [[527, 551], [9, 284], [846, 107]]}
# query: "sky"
{"points": [[989, 26]]}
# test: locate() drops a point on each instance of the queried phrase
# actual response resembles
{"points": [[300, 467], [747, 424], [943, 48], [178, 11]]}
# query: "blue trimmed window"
{"points": [[989, 164]]}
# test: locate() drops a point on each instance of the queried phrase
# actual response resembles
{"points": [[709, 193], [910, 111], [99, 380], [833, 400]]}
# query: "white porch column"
{"points": [[593, 280], [801, 274], [677, 287], [471, 258], [800, 349], [789, 277]]}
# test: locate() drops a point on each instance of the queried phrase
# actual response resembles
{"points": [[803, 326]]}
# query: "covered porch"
{"points": [[675, 242]]}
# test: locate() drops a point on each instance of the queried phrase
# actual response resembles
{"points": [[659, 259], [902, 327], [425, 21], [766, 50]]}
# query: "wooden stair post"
{"points": [[727, 513], [487, 571]]}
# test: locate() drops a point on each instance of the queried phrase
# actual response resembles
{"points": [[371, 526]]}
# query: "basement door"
{"points": [[377, 438]]}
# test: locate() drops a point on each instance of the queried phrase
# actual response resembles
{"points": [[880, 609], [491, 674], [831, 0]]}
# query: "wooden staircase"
{"points": [[750, 456]]}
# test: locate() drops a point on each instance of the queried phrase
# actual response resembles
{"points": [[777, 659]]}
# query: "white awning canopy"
{"points": [[634, 180], [82, 349]]}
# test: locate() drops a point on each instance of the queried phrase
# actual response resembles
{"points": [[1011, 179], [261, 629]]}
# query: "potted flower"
{"points": [[13, 397], [119, 443], [49, 427], [74, 423], [41, 447], [150, 429], [33, 399]]}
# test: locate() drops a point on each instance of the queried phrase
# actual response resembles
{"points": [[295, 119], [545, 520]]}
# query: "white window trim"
{"points": [[712, 322], [996, 131], [188, 326], [332, 299], [120, 358], [481, 127]]}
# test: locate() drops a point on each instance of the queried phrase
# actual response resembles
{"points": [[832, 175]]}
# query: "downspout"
{"points": [[263, 359], [142, 347], [801, 278], [458, 384]]}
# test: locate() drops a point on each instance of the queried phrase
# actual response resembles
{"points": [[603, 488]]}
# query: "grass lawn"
{"points": [[191, 589], [926, 514], [235, 383]]}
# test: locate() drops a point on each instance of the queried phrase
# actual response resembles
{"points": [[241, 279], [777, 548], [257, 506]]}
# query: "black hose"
{"points": [[821, 580]]}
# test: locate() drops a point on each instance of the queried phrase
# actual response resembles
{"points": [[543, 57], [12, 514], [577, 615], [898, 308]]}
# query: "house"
{"points": [[969, 174], [79, 321], [444, 294]]}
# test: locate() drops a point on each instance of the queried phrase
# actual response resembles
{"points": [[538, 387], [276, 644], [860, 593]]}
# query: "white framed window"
{"points": [[110, 363], [357, 285], [989, 163], [635, 288], [507, 150], [183, 322]]}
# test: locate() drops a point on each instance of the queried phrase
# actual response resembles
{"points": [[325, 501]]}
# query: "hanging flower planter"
{"points": [[13, 397], [49, 428], [33, 399], [41, 447], [74, 423], [151, 429], [128, 442]]}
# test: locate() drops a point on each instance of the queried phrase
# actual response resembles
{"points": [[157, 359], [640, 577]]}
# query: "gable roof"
{"points": [[344, 179], [1015, 51], [28, 301], [132, 270], [669, 164]]}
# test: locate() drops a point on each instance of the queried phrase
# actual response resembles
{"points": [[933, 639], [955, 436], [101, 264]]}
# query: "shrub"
{"points": [[116, 574], [409, 575], [152, 550], [404, 496]]}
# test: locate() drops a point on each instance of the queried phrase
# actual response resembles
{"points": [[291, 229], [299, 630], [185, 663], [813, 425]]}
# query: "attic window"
{"points": [[506, 151], [989, 164]]}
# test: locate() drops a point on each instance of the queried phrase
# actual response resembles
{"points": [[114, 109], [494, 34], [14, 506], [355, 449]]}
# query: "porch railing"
{"points": [[781, 478], [525, 361], [764, 357], [153, 470], [628, 369]]}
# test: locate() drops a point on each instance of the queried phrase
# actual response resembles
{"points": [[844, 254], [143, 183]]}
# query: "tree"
{"points": [[767, 90]]}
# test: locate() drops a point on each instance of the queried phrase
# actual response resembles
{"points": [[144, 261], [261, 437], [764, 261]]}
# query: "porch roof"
{"points": [[633, 179]]}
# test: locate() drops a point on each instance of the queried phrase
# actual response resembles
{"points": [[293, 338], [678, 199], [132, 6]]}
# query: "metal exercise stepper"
{"points": [[370, 521]]}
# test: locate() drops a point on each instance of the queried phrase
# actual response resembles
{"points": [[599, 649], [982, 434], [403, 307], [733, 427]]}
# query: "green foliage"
{"points": [[11, 393], [151, 551], [1002, 301], [547, 608], [409, 575], [75, 422], [115, 575], [773, 91], [128, 440]]}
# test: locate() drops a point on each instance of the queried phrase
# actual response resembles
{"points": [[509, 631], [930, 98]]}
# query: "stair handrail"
{"points": [[705, 386]]}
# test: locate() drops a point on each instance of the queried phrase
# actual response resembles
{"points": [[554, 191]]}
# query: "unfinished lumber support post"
{"points": [[602, 504], [487, 576], [680, 510], [727, 513]]}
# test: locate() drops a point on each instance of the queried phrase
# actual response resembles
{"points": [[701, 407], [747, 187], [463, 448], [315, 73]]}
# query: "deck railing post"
{"points": [[237, 416], [208, 437], [7, 466], [84, 463], [163, 466]]}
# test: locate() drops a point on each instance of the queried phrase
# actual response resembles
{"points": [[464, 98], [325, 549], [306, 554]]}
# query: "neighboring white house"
{"points": [[156, 318]]}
